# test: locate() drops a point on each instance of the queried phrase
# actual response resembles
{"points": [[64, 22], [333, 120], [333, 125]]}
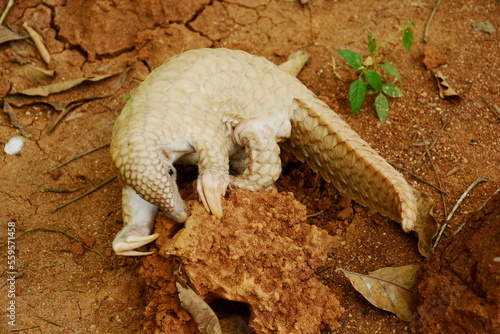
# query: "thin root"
{"points": [[473, 184], [111, 179]]}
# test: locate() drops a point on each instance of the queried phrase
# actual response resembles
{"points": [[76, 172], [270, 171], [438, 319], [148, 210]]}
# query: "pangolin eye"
{"points": [[171, 171]]}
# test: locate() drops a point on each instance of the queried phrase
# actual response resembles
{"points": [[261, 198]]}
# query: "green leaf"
{"points": [[382, 107], [354, 59], [357, 93], [391, 90], [128, 96], [374, 79], [372, 43], [407, 38], [412, 23], [390, 69]]}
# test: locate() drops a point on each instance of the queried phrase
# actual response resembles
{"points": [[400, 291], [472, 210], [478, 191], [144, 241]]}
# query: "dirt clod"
{"points": [[459, 286], [261, 253]]}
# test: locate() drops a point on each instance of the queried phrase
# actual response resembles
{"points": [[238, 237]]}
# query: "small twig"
{"points": [[431, 146], [62, 191], [55, 230], [49, 321], [436, 174], [315, 214], [6, 10], [448, 218], [78, 157], [111, 179], [419, 178], [323, 269], [427, 26], [495, 111], [69, 107], [482, 206]]}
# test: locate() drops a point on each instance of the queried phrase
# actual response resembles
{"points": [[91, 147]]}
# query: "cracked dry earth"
{"points": [[65, 288]]}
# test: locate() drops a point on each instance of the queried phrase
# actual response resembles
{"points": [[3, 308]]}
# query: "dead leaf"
{"points": [[15, 121], [65, 108], [201, 312], [426, 226], [40, 45], [484, 27], [63, 86], [445, 91], [36, 74], [7, 35], [390, 289]]}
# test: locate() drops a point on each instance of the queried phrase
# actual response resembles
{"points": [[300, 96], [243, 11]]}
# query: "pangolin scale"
{"points": [[219, 108]]}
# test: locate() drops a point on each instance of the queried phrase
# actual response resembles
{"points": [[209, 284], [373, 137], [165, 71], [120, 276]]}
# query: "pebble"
{"points": [[14, 145]]}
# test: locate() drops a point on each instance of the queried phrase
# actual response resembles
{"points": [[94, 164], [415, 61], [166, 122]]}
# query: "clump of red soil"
{"points": [[262, 253], [459, 289]]}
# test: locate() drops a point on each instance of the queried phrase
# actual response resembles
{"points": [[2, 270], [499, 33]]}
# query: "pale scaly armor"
{"points": [[219, 108]]}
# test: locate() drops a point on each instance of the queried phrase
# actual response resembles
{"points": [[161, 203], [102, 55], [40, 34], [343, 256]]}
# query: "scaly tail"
{"points": [[329, 146]]}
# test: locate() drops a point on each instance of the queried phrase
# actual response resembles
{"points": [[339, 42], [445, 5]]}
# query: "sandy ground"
{"points": [[70, 281]]}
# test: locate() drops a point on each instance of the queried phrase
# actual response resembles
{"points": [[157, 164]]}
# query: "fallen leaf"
{"points": [[445, 91], [15, 121], [390, 289], [40, 45], [38, 95], [201, 312], [36, 74], [7, 35], [426, 226], [62, 86], [484, 27]]}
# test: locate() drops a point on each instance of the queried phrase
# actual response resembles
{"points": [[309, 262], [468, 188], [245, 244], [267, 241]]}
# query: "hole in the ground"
{"points": [[236, 311]]}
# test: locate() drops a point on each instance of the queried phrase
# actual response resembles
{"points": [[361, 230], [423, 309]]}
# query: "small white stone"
{"points": [[14, 145]]}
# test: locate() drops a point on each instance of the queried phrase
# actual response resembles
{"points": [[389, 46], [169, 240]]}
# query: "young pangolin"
{"points": [[219, 108]]}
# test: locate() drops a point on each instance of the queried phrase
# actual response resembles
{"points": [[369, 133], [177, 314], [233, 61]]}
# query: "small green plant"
{"points": [[369, 80]]}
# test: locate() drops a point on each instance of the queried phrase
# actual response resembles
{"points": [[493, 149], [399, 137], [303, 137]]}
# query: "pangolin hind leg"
{"points": [[263, 164], [138, 220]]}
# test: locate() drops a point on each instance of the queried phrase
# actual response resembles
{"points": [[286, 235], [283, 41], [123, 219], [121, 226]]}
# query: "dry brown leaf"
{"points": [[486, 26], [62, 86], [426, 226], [445, 91], [390, 289], [7, 35], [36, 74], [15, 121], [40, 45], [201, 312]]}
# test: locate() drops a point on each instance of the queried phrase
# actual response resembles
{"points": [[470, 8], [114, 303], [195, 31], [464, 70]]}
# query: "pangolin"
{"points": [[221, 108]]}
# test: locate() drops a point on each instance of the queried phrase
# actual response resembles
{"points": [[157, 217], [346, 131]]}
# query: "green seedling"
{"points": [[369, 80]]}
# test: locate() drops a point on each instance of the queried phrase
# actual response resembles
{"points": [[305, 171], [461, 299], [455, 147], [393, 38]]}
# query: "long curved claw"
{"points": [[210, 190], [126, 245]]}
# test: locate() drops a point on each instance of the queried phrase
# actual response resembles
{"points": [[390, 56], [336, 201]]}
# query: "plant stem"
{"points": [[377, 51]]}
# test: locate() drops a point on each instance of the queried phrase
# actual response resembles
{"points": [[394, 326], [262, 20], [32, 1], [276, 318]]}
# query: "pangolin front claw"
{"points": [[210, 189], [126, 245]]}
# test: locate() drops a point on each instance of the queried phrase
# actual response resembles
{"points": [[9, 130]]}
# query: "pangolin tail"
{"points": [[330, 147]]}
